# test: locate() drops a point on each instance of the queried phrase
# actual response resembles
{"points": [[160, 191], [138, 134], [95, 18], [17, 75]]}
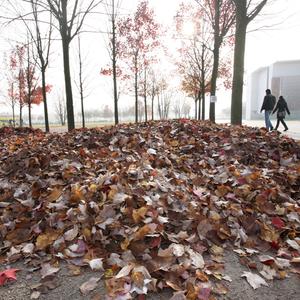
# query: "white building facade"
{"points": [[283, 78]]}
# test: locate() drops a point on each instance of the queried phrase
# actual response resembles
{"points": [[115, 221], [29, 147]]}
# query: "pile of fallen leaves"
{"points": [[152, 206]]}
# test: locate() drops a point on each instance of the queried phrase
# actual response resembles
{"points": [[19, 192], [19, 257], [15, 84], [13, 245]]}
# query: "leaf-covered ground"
{"points": [[150, 206]]}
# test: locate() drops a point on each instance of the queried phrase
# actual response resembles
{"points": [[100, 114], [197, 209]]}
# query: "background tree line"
{"points": [[210, 55]]}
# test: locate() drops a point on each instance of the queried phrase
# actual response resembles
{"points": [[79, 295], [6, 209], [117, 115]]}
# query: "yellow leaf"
{"points": [[201, 276], [54, 195], [139, 214], [108, 273], [125, 244], [174, 143], [138, 278], [44, 240], [268, 234]]}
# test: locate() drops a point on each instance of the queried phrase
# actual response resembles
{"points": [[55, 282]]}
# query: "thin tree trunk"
{"points": [[81, 83], [152, 107], [69, 95], [20, 100], [21, 119], [196, 108], [136, 89], [238, 72], [159, 106], [145, 103], [13, 113], [203, 83], [203, 106], [114, 64], [29, 114], [212, 109], [45, 101], [82, 105], [145, 97], [216, 53], [199, 105]]}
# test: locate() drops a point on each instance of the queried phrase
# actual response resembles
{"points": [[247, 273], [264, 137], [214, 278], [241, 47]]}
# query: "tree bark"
{"points": [[29, 114], [45, 101], [244, 16], [81, 83], [69, 95], [64, 30], [145, 96], [21, 119], [114, 64], [152, 106], [82, 105], [14, 117], [203, 101], [136, 89], [216, 53], [203, 82], [238, 72], [199, 104], [203, 106]]}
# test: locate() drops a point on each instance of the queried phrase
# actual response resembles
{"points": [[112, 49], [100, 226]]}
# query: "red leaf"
{"points": [[6, 275], [278, 223]]}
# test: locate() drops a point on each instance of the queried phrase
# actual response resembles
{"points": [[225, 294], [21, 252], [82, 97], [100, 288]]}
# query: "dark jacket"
{"points": [[269, 103], [281, 106]]}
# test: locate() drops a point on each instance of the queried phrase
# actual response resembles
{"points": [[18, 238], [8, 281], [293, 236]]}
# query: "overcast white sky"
{"points": [[278, 42]]}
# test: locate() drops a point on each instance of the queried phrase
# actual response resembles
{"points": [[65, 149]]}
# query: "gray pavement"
{"points": [[293, 132]]}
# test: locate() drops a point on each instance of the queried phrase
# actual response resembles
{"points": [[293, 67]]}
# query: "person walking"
{"points": [[267, 106], [281, 108]]}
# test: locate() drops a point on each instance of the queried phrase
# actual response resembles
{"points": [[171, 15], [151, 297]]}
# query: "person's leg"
{"points": [[277, 124], [269, 125], [266, 119], [284, 124]]}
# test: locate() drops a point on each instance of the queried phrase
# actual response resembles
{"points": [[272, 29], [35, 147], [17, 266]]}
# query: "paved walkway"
{"points": [[293, 132]]}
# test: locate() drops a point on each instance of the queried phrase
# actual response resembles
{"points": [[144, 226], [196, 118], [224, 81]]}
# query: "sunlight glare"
{"points": [[188, 28]]}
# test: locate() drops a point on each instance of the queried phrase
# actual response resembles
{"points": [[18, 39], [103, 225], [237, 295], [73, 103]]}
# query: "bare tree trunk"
{"points": [[196, 108], [136, 89], [203, 106], [14, 117], [203, 82], [66, 57], [81, 83], [82, 105], [29, 115], [114, 64], [45, 100], [29, 79], [199, 104], [43, 52], [20, 117], [238, 74], [69, 95], [159, 106], [20, 100], [244, 15], [152, 107], [145, 96], [216, 53]]}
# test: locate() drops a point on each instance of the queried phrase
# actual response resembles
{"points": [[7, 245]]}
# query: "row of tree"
{"points": [[136, 47], [218, 25]]}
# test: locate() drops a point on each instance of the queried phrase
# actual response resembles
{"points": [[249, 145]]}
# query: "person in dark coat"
{"points": [[267, 106], [281, 108]]}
